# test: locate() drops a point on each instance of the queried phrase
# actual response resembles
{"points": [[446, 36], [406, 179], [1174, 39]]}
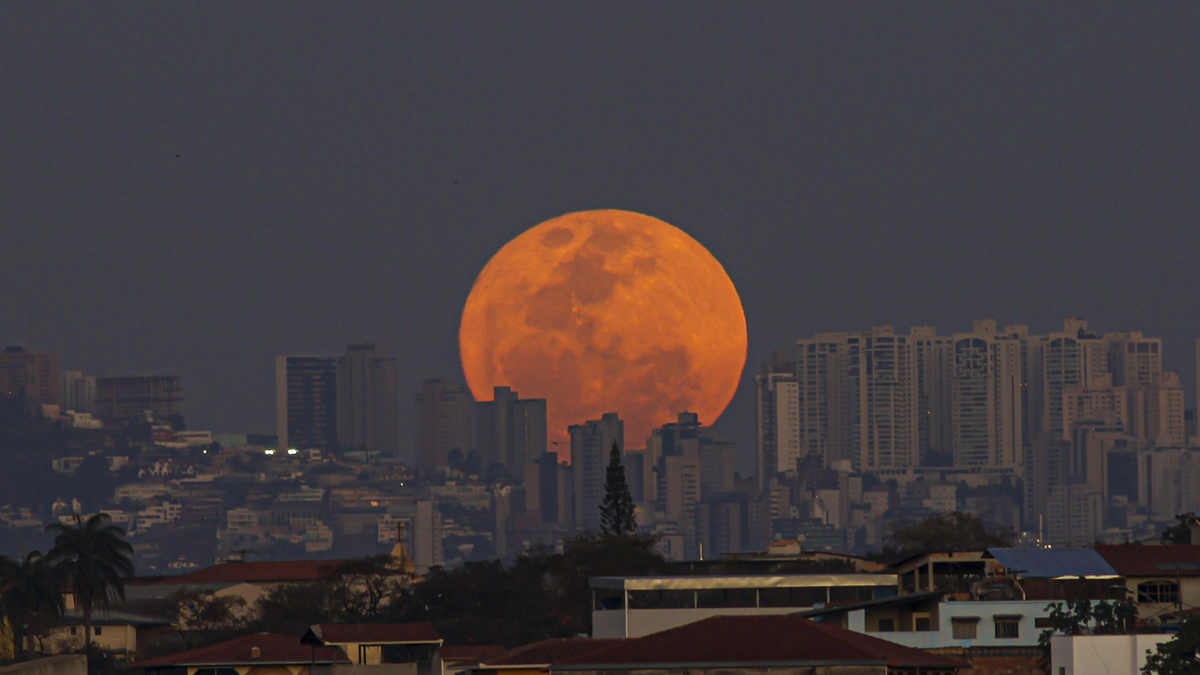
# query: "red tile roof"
{"points": [[377, 633], [1134, 560], [759, 640], [470, 653], [548, 651], [255, 572], [273, 649]]}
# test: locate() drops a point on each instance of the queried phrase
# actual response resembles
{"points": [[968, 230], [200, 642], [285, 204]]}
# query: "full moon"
{"points": [[606, 311]]}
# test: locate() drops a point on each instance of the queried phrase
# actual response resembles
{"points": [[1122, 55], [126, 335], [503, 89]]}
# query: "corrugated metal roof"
{"points": [[1053, 563]]}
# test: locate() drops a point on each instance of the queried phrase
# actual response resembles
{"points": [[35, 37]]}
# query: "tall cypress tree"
{"points": [[616, 511]]}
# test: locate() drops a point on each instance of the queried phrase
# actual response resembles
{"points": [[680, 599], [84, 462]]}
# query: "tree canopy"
{"points": [[954, 531]]}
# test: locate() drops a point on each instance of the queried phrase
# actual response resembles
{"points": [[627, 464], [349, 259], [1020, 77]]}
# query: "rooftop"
{"points": [[762, 641], [1136, 560], [374, 633], [741, 581], [546, 652], [272, 649], [1054, 563]]}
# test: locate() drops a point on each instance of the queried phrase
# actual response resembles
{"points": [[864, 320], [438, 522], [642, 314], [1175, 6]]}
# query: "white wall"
{"points": [[1109, 654], [985, 629]]}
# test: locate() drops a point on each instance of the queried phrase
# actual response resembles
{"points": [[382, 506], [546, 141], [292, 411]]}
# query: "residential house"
{"points": [[536, 658], [373, 644], [1160, 579], [752, 645], [255, 654]]}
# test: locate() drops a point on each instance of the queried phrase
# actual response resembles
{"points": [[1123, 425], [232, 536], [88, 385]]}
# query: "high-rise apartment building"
{"points": [[510, 430], [777, 400], [78, 392], [443, 423], [306, 402], [824, 397], [1075, 515], [881, 369], [1070, 359], [33, 373], [985, 399], [160, 396], [591, 443], [934, 369], [367, 403]]}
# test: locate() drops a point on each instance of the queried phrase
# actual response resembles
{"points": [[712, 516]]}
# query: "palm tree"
{"points": [[93, 558], [29, 593]]}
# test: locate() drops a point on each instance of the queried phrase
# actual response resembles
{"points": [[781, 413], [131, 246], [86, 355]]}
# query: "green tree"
{"points": [[194, 611], [952, 531], [1181, 531], [30, 597], [1178, 656], [93, 559], [616, 511]]}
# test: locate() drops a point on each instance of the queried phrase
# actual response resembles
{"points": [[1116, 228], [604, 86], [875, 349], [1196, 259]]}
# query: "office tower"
{"points": [[136, 395], [1075, 516], [777, 401], [985, 399], [883, 401], [443, 423], [34, 373], [306, 402], [934, 368], [510, 430], [591, 443], [1070, 359], [824, 397], [78, 392], [367, 404]]}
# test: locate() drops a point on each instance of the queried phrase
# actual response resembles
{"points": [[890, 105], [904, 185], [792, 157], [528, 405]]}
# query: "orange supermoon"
{"points": [[606, 311]]}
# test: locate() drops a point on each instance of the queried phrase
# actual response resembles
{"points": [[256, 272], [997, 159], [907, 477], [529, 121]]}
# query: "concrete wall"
{"points": [[985, 632], [121, 639], [67, 664], [610, 623], [1109, 654]]}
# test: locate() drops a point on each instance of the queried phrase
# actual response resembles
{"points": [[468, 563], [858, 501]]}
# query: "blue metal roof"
{"points": [[1052, 563]]}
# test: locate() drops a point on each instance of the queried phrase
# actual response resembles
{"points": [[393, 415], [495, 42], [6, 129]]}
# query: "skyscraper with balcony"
{"points": [[883, 400], [34, 374], [986, 402]]}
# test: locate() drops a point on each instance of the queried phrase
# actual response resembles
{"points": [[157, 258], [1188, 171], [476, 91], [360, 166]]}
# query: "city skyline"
{"points": [[240, 215]]}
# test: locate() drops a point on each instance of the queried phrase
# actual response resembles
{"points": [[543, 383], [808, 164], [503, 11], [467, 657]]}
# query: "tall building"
{"points": [[510, 430], [1075, 515], [934, 368], [367, 404], [548, 490], [883, 400], [78, 392], [985, 399], [34, 373], [1133, 359], [306, 402], [777, 401], [136, 395], [591, 443], [1070, 359], [443, 423], [824, 397]]}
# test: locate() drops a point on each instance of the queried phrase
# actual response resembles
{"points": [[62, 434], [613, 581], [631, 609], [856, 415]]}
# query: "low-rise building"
{"points": [[624, 607], [254, 654], [1159, 579], [1108, 654], [375, 644]]}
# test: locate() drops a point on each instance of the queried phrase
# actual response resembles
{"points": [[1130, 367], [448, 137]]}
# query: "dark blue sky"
{"points": [[193, 188]]}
